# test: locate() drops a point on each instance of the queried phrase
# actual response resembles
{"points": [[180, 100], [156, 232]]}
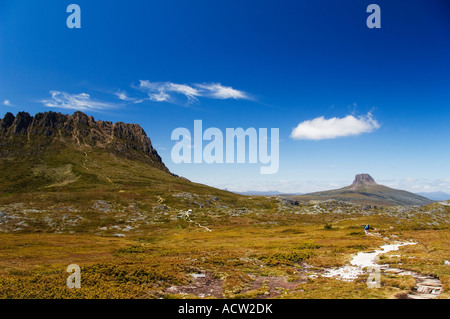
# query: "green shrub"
{"points": [[288, 259], [307, 246]]}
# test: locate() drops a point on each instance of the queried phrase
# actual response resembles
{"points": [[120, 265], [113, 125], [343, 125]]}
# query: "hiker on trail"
{"points": [[366, 228]]}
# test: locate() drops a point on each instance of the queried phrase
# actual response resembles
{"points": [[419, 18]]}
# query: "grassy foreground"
{"points": [[270, 256]]}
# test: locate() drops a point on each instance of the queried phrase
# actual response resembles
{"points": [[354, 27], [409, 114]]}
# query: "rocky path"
{"points": [[427, 287]]}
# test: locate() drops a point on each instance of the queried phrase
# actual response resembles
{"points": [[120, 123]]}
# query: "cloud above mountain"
{"points": [[170, 92], [7, 103], [81, 102], [145, 91], [321, 128]]}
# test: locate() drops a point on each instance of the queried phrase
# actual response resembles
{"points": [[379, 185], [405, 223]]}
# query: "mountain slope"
{"points": [[364, 189], [56, 150], [74, 156], [72, 174]]}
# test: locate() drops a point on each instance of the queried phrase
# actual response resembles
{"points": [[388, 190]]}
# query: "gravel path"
{"points": [[427, 287]]}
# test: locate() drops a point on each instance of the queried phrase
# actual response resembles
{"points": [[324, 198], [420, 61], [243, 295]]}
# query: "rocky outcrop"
{"points": [[129, 140], [363, 179]]}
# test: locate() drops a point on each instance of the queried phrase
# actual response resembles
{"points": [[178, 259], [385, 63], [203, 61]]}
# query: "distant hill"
{"points": [[435, 195], [364, 189]]}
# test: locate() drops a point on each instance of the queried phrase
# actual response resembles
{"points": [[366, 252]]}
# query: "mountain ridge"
{"points": [[129, 140]]}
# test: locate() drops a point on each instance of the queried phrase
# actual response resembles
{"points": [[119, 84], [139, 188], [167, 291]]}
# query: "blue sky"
{"points": [[261, 64]]}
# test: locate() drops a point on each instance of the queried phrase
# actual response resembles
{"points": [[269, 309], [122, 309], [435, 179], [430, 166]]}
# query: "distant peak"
{"points": [[363, 179]]}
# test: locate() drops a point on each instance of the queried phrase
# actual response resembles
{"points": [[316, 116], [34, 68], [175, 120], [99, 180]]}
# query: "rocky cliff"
{"points": [[24, 134]]}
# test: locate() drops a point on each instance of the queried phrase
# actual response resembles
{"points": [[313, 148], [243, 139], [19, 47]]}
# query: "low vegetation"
{"points": [[288, 248]]}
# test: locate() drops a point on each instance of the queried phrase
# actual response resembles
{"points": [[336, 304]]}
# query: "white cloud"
{"points": [[124, 97], [7, 103], [165, 91], [218, 91], [420, 185], [81, 102], [321, 128], [190, 92], [168, 91]]}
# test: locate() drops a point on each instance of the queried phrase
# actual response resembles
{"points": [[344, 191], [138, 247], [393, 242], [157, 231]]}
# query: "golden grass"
{"points": [[144, 265]]}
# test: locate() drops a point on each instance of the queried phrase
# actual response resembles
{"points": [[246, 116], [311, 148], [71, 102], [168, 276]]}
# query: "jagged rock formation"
{"points": [[128, 140]]}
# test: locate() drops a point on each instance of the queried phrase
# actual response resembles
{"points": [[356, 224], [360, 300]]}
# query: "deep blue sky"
{"points": [[294, 60]]}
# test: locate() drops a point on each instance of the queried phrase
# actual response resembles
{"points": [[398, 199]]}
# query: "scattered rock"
{"points": [[102, 206]]}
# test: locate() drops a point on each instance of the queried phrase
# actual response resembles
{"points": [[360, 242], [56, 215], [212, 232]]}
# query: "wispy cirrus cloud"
{"points": [[154, 91], [81, 102], [218, 91], [169, 92], [321, 128], [122, 95]]}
